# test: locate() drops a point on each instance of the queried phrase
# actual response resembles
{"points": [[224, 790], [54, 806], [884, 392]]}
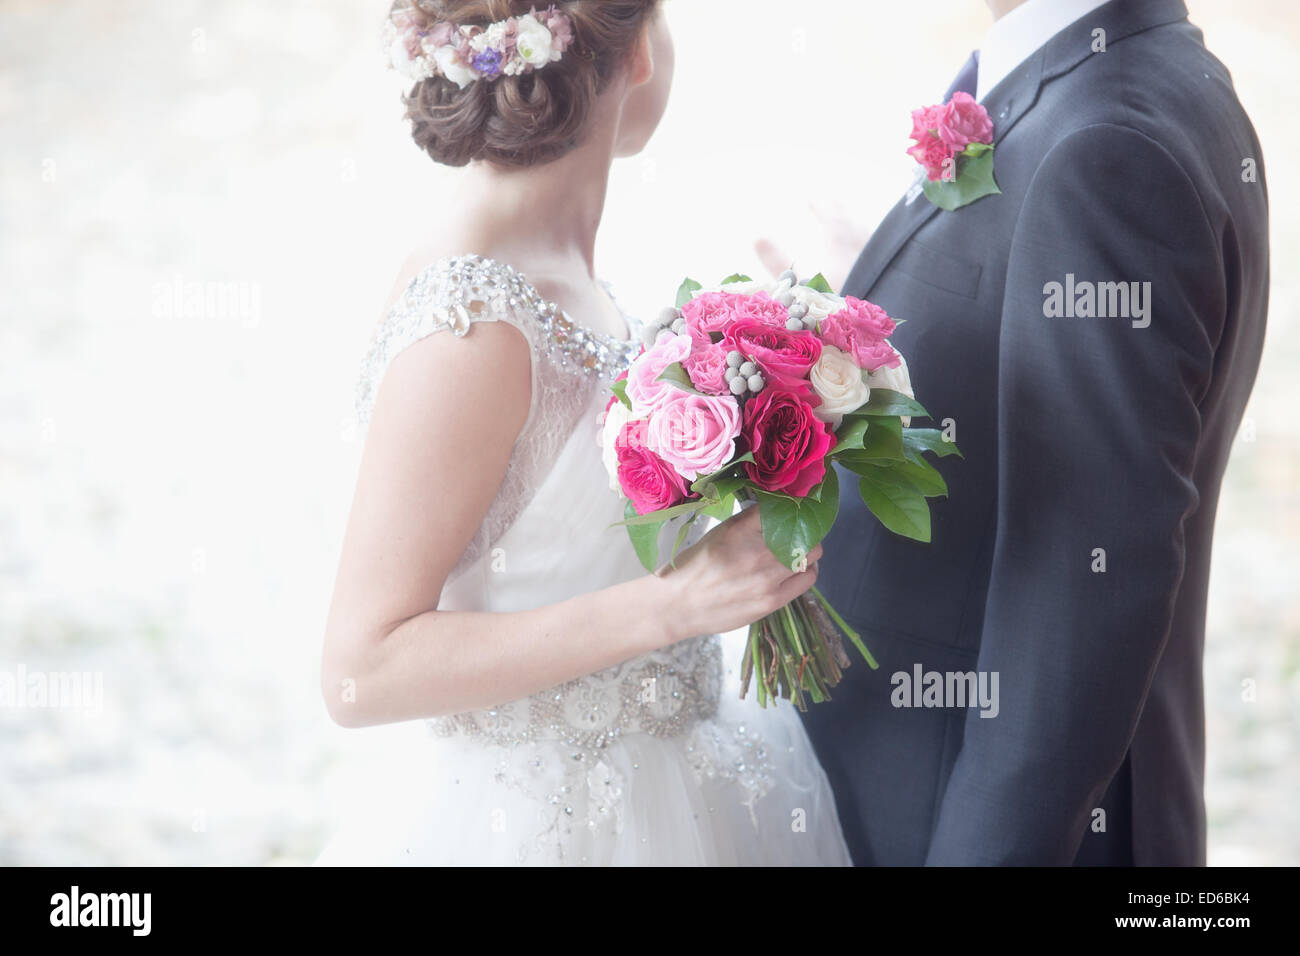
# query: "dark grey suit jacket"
{"points": [[1079, 434]]}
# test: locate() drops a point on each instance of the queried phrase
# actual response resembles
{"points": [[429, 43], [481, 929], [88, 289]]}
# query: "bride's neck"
{"points": [[551, 212]]}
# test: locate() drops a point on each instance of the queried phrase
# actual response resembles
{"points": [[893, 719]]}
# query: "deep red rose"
{"points": [[789, 443], [649, 482], [784, 357]]}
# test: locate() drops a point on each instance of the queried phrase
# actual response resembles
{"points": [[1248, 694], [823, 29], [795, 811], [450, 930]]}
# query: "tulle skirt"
{"points": [[743, 789]]}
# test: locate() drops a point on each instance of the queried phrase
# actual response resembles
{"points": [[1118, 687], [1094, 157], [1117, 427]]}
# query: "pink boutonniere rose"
{"points": [[953, 143]]}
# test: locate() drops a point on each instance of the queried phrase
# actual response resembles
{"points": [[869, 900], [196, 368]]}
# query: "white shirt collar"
{"points": [[1018, 35]]}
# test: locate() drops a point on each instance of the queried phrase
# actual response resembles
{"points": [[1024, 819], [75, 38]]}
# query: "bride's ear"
{"points": [[641, 62]]}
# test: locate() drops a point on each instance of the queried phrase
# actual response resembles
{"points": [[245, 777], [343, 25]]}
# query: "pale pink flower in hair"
{"points": [[409, 18], [559, 25], [442, 35], [509, 39]]}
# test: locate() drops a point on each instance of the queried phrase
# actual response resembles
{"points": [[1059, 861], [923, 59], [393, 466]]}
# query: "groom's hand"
{"points": [[844, 239], [775, 259]]}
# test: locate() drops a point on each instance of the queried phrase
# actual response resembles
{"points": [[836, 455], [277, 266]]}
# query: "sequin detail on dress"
{"points": [[454, 293]]}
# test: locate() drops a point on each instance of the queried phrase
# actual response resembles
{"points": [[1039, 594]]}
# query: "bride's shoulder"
{"points": [[453, 294]]}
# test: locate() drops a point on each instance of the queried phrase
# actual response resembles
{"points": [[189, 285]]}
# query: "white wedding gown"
{"points": [[652, 762]]}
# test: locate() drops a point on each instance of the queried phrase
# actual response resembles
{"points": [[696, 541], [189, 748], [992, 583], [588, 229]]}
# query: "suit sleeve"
{"points": [[1098, 426]]}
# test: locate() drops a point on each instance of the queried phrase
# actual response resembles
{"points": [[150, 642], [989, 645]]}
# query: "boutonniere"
{"points": [[954, 145]]}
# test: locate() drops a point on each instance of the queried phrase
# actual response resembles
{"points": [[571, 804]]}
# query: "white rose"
{"points": [[449, 65], [896, 379], [838, 383], [534, 43], [617, 416], [820, 305]]}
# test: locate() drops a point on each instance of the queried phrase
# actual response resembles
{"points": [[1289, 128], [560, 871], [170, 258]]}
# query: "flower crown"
{"points": [[422, 48]]}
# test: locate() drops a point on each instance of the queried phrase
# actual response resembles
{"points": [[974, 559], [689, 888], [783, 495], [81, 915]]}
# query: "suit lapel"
{"points": [[1007, 103]]}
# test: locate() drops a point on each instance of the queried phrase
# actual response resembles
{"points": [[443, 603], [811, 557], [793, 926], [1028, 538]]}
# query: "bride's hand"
{"points": [[729, 579]]}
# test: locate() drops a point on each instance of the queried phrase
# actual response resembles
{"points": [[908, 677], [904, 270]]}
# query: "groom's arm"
{"points": [[1098, 423]]}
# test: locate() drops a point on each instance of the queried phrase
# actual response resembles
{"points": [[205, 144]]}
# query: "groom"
{"points": [[1068, 568]]}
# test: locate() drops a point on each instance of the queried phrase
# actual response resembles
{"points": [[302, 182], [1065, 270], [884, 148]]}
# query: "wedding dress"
{"points": [[651, 762]]}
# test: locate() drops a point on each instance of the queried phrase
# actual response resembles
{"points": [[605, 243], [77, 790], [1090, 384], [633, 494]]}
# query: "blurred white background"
{"points": [[202, 208]]}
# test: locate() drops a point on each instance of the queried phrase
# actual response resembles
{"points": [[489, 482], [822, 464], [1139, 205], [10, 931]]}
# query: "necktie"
{"points": [[967, 79]]}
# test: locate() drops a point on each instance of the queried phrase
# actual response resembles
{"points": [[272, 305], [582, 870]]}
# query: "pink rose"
{"points": [[788, 442], [761, 308], [859, 330], [925, 121], [560, 27], [707, 313], [649, 482], [441, 35], [962, 122], [784, 357], [935, 155], [644, 390], [696, 434], [707, 367]]}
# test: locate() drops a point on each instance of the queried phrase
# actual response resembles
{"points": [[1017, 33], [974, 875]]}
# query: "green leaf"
{"points": [[688, 289], [687, 508], [921, 476], [619, 388], [682, 532], [827, 495], [818, 283], [977, 149], [896, 504], [974, 180], [885, 401], [883, 442], [724, 509], [701, 483], [918, 440], [850, 434], [794, 526], [734, 277], [924, 477], [644, 538], [722, 487], [676, 375]]}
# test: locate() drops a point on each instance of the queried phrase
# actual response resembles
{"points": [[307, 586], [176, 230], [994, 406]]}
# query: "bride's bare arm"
{"points": [[439, 440]]}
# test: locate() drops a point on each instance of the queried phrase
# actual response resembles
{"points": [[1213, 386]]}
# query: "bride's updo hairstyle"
{"points": [[531, 118]]}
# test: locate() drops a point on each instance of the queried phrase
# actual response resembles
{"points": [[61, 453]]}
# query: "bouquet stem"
{"points": [[797, 651]]}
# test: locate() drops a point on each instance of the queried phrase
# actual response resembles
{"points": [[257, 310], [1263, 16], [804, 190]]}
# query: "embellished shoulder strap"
{"points": [[453, 294], [448, 296]]}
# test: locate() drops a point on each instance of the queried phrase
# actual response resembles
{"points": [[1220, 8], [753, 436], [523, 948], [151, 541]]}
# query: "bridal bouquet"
{"points": [[747, 393]]}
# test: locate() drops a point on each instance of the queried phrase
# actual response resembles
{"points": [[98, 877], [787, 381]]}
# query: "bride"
{"points": [[575, 702]]}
